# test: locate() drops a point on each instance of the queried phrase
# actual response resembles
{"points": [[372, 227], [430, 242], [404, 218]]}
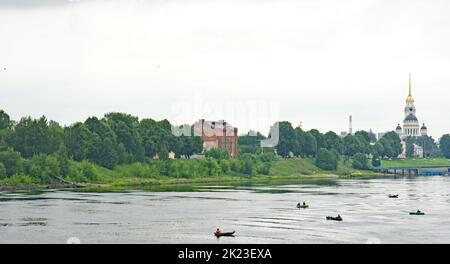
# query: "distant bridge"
{"points": [[414, 170]]}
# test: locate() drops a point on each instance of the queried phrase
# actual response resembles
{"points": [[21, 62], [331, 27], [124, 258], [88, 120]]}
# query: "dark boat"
{"points": [[302, 206], [417, 213], [334, 218], [226, 234], [393, 196]]}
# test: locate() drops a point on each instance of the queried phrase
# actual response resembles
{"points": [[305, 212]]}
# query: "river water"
{"points": [[259, 214]]}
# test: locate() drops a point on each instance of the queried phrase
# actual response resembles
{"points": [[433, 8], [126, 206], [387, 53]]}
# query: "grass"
{"points": [[126, 177], [416, 163]]}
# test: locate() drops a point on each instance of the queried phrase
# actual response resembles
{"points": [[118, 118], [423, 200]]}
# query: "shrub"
{"points": [[225, 166], [264, 168], [248, 167], [18, 180], [217, 153], [213, 167], [44, 168], [82, 172]]}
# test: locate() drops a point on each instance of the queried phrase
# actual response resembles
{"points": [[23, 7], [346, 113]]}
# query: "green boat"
{"points": [[417, 213]]}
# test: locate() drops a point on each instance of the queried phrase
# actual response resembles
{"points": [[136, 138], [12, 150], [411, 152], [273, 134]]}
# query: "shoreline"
{"points": [[173, 183]]}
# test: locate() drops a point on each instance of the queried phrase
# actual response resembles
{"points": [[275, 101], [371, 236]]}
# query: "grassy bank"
{"points": [[134, 176], [416, 163]]}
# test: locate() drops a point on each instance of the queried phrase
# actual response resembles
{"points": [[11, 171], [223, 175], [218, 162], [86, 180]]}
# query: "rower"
{"points": [[218, 232]]}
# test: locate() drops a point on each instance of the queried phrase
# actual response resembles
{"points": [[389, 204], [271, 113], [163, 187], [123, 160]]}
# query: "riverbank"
{"points": [[430, 162], [296, 170]]}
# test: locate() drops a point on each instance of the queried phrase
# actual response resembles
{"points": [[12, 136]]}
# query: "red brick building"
{"points": [[217, 134]]}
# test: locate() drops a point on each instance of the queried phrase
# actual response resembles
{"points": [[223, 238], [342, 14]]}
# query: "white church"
{"points": [[411, 125]]}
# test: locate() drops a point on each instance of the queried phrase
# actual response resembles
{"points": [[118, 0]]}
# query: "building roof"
{"points": [[423, 127], [411, 117], [399, 127]]}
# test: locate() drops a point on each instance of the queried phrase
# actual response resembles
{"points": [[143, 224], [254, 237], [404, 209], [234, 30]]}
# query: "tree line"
{"points": [[328, 148], [44, 149]]}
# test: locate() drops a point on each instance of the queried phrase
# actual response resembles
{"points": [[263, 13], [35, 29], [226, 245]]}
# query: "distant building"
{"points": [[217, 134], [171, 155], [418, 151]]}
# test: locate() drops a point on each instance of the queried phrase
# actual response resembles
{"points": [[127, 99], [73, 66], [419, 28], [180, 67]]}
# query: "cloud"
{"points": [[321, 60]]}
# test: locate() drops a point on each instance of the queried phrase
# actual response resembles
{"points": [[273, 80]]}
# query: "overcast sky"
{"points": [[313, 62]]}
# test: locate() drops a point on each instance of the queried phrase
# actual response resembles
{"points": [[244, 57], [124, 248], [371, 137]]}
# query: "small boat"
{"points": [[393, 196], [417, 213], [302, 206], [225, 234], [339, 218]]}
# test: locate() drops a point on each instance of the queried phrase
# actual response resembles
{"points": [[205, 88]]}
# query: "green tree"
{"points": [[395, 143], [310, 145], [12, 161], [376, 161], [333, 141], [320, 138], [388, 151], [287, 139], [326, 159], [352, 145], [360, 161], [78, 140], [126, 128], [36, 136], [378, 149], [2, 171], [444, 144], [63, 159], [104, 148], [5, 121], [409, 149]]}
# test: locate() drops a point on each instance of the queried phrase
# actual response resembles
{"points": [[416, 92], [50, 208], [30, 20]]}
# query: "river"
{"points": [[259, 214]]}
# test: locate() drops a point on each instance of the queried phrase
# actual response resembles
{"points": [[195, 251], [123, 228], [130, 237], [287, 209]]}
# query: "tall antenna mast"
{"points": [[350, 130]]}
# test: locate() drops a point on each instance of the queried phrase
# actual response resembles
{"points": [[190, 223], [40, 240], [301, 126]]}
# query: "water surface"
{"points": [[259, 214]]}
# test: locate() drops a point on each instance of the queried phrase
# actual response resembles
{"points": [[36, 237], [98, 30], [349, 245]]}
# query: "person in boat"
{"points": [[339, 216], [304, 204], [218, 232]]}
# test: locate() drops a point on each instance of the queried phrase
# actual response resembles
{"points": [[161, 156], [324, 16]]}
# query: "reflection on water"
{"points": [[259, 214]]}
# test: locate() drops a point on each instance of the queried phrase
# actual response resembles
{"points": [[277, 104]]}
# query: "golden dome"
{"points": [[410, 99]]}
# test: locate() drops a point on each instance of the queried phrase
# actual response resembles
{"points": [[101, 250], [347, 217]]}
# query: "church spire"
{"points": [[410, 99], [410, 90]]}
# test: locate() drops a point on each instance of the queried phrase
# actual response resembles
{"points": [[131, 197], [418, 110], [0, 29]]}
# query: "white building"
{"points": [[411, 126]]}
